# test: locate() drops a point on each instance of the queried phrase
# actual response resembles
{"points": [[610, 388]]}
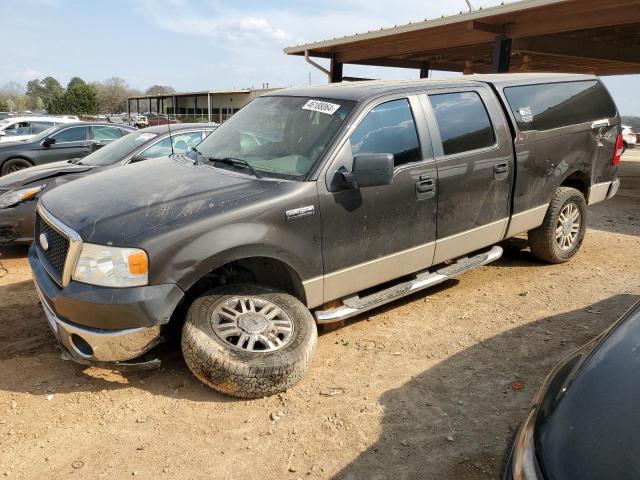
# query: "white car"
{"points": [[14, 129], [628, 136]]}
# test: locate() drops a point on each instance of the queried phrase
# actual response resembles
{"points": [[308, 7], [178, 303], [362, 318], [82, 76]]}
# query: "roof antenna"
{"points": [[471, 9]]}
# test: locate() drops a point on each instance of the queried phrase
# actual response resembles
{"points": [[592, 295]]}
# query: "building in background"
{"points": [[206, 106]]}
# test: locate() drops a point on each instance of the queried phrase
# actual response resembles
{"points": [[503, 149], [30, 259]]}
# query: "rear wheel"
{"points": [[560, 236], [248, 341], [14, 164]]}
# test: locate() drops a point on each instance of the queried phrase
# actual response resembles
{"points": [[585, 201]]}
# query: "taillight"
{"points": [[619, 150]]}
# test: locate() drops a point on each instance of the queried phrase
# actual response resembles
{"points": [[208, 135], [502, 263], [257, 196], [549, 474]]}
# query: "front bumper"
{"points": [[97, 324], [16, 223]]}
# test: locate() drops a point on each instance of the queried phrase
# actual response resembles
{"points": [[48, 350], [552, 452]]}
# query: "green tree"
{"points": [[78, 99], [4, 106], [42, 89]]}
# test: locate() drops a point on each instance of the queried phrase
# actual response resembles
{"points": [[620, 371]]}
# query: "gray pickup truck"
{"points": [[313, 205]]}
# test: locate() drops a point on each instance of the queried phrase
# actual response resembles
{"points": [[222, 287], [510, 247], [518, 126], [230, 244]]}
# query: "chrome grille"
{"points": [[56, 254]]}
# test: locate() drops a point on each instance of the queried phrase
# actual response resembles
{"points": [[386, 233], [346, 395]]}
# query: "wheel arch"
{"points": [[258, 264], [579, 180], [14, 157]]}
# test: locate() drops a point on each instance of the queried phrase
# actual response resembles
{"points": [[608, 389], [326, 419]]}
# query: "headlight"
{"points": [[112, 266], [525, 466], [13, 197]]}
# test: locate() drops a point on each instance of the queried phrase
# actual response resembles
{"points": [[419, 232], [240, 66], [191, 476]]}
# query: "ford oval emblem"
{"points": [[44, 241]]}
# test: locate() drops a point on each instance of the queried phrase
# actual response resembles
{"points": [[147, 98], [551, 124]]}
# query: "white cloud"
{"points": [[224, 25]]}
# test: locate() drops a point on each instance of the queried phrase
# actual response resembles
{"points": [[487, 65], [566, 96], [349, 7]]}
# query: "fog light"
{"points": [[81, 345]]}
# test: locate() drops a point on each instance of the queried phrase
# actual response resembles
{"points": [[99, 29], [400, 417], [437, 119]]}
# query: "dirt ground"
{"points": [[423, 388]]}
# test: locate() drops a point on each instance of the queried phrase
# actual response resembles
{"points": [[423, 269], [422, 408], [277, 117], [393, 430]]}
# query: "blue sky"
{"points": [[206, 44]]}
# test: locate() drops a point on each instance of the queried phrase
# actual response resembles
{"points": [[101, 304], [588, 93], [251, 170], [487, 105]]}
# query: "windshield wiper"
{"points": [[235, 162]]}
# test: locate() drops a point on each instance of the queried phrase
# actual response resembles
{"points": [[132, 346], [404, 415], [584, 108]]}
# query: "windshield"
{"points": [[42, 135], [118, 149], [278, 136]]}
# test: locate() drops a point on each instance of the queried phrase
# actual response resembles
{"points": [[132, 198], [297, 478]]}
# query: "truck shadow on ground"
{"points": [[454, 420]]}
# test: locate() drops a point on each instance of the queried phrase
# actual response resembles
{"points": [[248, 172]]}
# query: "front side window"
{"points": [[278, 136], [73, 134], [463, 122], [388, 128], [182, 143], [106, 133]]}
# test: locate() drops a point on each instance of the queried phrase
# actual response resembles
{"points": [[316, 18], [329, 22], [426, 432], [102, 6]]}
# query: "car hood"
{"points": [[587, 425], [40, 172], [112, 206]]}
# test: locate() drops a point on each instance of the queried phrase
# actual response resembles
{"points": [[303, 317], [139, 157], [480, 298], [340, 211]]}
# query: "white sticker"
{"points": [[526, 114], [147, 136], [320, 106]]}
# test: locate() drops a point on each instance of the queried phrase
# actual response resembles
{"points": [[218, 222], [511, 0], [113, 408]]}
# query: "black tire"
{"points": [[542, 240], [13, 165], [238, 372], [625, 145]]}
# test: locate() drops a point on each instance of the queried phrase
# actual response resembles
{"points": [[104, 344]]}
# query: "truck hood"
{"points": [[40, 172], [588, 420], [111, 206]]}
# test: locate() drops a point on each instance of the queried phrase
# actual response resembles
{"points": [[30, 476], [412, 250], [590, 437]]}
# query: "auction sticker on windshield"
{"points": [[320, 106]]}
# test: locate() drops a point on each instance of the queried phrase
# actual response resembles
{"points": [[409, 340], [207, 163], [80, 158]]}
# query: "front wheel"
{"points": [[248, 341], [13, 165], [560, 236]]}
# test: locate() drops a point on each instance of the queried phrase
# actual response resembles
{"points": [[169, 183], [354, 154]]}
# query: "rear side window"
{"points": [[463, 122], [388, 128], [556, 105], [106, 133], [37, 127]]}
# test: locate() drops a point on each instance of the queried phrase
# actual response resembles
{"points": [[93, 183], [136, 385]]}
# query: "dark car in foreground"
{"points": [[62, 142], [585, 420], [20, 191]]}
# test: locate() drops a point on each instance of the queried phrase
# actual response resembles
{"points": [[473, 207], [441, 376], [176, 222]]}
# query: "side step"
{"points": [[355, 304]]}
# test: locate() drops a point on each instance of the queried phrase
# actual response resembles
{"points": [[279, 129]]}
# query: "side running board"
{"points": [[355, 304]]}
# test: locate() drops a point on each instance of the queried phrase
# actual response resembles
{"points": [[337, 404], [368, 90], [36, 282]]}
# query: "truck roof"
{"points": [[363, 90]]}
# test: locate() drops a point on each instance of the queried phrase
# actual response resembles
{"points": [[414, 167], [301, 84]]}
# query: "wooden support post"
{"points": [[336, 71], [424, 70], [501, 54]]}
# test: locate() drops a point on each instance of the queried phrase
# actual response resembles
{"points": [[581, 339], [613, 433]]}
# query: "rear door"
{"points": [[374, 234], [474, 161]]}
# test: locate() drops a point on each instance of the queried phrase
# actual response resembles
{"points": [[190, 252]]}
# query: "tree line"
{"points": [[77, 98]]}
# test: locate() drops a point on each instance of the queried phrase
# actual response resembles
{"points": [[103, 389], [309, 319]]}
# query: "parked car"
{"points": [[356, 195], [5, 115], [159, 119], [583, 422], [628, 136], [20, 191], [69, 140], [139, 121], [14, 129]]}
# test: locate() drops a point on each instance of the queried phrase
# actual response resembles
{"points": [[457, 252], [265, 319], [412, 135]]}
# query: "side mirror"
{"points": [[48, 142], [368, 170], [3, 133]]}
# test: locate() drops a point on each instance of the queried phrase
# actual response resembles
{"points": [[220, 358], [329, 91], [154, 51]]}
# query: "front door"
{"points": [[371, 235], [475, 169], [71, 142]]}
